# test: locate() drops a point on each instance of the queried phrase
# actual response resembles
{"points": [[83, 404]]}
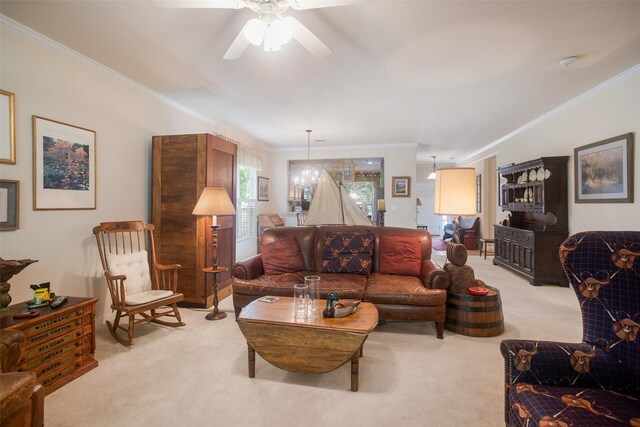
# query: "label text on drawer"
{"points": [[57, 375], [50, 333], [35, 362], [49, 345]]}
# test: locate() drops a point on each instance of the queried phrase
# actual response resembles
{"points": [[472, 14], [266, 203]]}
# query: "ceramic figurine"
{"points": [[335, 308]]}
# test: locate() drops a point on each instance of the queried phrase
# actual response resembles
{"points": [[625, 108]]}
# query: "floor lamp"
{"points": [[214, 202], [455, 191]]}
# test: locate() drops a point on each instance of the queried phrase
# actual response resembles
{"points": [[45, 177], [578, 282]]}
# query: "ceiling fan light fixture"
{"points": [[255, 31], [282, 33], [270, 41]]}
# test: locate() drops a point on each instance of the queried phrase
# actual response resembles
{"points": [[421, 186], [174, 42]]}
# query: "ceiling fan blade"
{"points": [[238, 46], [306, 38], [202, 4], [317, 4]]}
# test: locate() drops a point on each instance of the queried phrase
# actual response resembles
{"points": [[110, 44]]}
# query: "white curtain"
{"points": [[249, 156]]}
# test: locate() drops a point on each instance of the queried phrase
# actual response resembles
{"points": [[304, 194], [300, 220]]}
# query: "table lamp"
{"points": [[455, 191], [214, 202]]}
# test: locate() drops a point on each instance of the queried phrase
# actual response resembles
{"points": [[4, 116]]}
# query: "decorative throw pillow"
{"points": [[282, 256], [347, 252], [400, 255]]}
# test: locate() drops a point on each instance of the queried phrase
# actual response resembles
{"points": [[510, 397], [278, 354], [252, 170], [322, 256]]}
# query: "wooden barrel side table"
{"points": [[475, 316]]}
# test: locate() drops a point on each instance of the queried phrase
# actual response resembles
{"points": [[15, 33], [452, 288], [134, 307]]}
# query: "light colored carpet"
{"points": [[197, 375]]}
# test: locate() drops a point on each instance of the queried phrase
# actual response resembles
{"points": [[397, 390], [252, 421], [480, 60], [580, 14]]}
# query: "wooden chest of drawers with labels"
{"points": [[60, 343]]}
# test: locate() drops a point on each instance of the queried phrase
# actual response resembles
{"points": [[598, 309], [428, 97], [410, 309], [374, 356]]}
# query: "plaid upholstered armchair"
{"points": [[595, 382]]}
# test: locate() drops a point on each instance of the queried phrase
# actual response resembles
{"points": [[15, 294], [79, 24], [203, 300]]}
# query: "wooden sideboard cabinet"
{"points": [[182, 166], [59, 343], [535, 194], [531, 253]]}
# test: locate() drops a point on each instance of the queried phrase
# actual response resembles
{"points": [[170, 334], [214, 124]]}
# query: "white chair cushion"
{"points": [[147, 296], [136, 267]]}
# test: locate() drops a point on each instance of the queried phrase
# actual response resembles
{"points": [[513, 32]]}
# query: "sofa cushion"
{"points": [[401, 290], [348, 286], [400, 255], [282, 256], [347, 252], [274, 284], [533, 404]]}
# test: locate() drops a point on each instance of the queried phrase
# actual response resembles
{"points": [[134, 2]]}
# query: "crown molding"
{"points": [[23, 30], [345, 147], [615, 80]]}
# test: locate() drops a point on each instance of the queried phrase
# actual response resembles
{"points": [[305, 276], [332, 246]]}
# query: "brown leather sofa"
{"points": [[397, 297], [21, 397]]}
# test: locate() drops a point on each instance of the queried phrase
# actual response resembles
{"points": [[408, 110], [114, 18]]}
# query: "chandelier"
{"points": [[432, 175], [305, 184]]}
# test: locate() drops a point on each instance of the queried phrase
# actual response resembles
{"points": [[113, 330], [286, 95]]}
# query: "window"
{"points": [[247, 216], [362, 194]]}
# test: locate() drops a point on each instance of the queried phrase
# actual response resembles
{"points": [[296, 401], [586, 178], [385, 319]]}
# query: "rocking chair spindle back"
{"points": [[127, 249]]}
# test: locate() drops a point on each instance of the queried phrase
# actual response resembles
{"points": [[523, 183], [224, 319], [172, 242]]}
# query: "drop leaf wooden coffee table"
{"points": [[311, 347]]}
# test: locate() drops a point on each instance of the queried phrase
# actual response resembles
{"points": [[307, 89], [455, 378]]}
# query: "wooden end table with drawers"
{"points": [[59, 343]]}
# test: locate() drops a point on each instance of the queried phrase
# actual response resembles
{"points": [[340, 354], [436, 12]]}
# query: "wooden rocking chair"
{"points": [[124, 251]]}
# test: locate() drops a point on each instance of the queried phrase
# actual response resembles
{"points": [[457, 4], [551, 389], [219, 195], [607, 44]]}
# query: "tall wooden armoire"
{"points": [[182, 166]]}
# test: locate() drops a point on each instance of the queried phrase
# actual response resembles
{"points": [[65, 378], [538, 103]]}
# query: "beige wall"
{"points": [[608, 110], [56, 84]]}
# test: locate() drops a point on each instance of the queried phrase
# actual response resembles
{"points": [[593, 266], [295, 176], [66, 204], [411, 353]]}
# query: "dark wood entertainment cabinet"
{"points": [[535, 194]]}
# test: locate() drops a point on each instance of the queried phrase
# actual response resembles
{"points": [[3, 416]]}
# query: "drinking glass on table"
{"points": [[300, 302], [313, 284]]}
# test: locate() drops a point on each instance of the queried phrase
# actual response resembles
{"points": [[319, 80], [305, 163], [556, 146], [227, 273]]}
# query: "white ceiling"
{"points": [[450, 76]]}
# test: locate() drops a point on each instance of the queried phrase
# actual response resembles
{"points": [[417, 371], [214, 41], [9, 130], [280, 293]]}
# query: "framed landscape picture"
{"points": [[400, 186], [9, 204], [263, 189], [603, 171], [64, 166]]}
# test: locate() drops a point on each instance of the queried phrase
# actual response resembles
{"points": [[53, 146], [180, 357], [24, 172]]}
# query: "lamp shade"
{"points": [[214, 201], [455, 191], [418, 202]]}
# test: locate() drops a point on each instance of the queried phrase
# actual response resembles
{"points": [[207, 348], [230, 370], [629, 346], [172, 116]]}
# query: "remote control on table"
{"points": [[26, 314], [58, 302]]}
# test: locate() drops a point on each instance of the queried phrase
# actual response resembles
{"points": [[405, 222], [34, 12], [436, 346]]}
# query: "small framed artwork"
{"points": [[603, 171], [263, 189], [401, 187], [7, 128], [9, 204], [64, 166], [478, 193]]}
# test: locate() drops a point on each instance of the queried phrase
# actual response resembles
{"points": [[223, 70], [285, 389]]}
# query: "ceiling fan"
{"points": [[270, 28]]}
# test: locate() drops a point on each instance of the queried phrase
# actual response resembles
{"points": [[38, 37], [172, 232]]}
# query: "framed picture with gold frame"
{"points": [[400, 186], [64, 166], [7, 128], [603, 171]]}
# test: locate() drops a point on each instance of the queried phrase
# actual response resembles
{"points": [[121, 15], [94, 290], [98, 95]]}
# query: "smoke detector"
{"points": [[568, 61]]}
